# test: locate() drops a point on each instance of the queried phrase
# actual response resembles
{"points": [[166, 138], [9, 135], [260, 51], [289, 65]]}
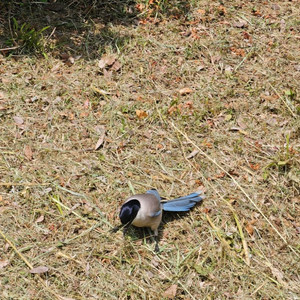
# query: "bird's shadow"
{"points": [[147, 235]]}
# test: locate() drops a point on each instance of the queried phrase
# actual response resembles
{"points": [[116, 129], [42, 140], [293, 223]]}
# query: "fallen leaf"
{"points": [[116, 66], [18, 120], [228, 117], [185, 91], [239, 130], [249, 228], [39, 270], [221, 175], [70, 61], [200, 67], [40, 219], [171, 292], [107, 74], [247, 36], [239, 52], [278, 274], [180, 61], [3, 263], [28, 152], [275, 7], [193, 154], [141, 114], [254, 166], [101, 131], [234, 129], [240, 24], [106, 60]]}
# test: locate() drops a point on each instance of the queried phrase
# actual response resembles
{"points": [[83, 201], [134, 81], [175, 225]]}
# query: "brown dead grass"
{"points": [[241, 64]]}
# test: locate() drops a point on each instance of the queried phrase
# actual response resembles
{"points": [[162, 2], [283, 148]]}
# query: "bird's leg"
{"points": [[156, 249], [116, 229], [125, 229]]}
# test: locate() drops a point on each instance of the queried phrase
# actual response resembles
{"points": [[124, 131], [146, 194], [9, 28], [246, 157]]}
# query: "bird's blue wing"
{"points": [[183, 203]]}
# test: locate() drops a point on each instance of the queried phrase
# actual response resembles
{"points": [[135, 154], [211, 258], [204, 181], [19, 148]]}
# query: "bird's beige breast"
{"points": [[143, 220]]}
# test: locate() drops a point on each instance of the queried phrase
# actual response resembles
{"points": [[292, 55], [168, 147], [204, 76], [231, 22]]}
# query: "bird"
{"points": [[145, 210]]}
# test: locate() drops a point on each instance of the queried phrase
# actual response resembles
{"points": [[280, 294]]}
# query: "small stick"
{"points": [[16, 250], [20, 184], [244, 242]]}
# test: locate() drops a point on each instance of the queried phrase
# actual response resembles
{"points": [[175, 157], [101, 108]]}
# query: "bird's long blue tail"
{"points": [[183, 203]]}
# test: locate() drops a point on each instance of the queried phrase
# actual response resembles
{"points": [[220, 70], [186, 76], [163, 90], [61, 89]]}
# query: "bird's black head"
{"points": [[129, 211]]}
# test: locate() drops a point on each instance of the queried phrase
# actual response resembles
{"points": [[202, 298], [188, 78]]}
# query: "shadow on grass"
{"points": [[79, 27], [147, 235]]}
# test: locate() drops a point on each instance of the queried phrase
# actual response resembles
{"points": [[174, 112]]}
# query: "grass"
{"points": [[60, 198]]}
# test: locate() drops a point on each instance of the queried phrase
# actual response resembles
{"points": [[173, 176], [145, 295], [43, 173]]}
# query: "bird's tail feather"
{"points": [[183, 203]]}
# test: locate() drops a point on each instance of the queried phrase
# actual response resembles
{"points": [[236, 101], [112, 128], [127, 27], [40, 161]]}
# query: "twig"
{"points": [[16, 250], [10, 48], [236, 183], [244, 242], [19, 183]]}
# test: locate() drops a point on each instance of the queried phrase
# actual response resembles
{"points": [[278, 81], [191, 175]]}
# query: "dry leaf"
{"points": [[228, 117], [185, 91], [116, 66], [170, 292], [107, 74], [39, 270], [141, 114], [240, 24], [106, 60], [200, 67], [18, 120], [249, 228], [101, 131], [278, 274], [192, 154], [3, 263], [254, 166], [28, 152], [40, 219]]}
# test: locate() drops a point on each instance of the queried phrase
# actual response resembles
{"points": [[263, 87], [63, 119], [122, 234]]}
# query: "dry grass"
{"points": [[59, 197]]}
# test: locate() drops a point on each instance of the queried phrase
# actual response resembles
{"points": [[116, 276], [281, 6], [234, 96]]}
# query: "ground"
{"points": [[102, 100]]}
